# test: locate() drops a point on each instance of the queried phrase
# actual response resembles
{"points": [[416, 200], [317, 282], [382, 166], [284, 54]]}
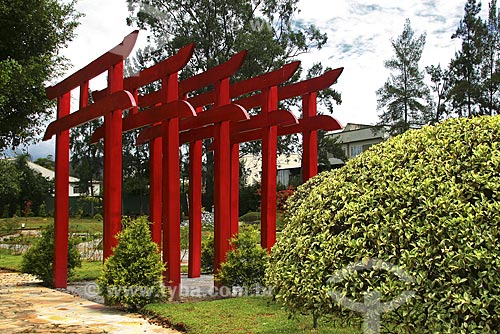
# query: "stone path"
{"points": [[27, 307]]}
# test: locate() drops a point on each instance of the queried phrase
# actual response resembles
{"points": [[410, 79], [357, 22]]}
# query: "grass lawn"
{"points": [[10, 261], [248, 315], [88, 271], [76, 225]]}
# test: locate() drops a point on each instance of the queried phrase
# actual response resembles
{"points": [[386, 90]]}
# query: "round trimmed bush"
{"points": [[132, 276], [427, 202]]}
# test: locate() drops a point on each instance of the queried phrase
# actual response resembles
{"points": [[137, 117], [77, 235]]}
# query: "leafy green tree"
{"points": [[31, 35], [47, 162], [405, 99], [465, 75], [135, 168], [34, 187], [10, 187], [328, 145]]}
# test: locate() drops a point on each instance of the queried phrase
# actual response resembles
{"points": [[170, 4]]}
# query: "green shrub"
{"points": [[245, 264], [132, 276], [9, 226], [39, 258], [426, 201], [207, 253], [250, 218]]}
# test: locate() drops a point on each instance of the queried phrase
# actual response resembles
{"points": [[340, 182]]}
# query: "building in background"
{"points": [[74, 187], [354, 139], [357, 138]]}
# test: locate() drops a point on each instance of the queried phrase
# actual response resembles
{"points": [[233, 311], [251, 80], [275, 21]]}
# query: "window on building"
{"points": [[355, 150]]}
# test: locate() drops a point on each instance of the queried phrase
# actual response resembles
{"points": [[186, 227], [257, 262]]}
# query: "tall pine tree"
{"points": [[405, 99], [490, 67], [465, 68]]}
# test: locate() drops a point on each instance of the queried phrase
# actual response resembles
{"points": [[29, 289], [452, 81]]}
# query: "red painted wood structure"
{"points": [[111, 108], [175, 115]]}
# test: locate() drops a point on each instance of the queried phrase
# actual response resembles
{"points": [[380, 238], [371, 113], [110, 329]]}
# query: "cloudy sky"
{"points": [[359, 33]]}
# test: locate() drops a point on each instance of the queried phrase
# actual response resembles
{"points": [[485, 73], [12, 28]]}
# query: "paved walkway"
{"points": [[27, 307]]}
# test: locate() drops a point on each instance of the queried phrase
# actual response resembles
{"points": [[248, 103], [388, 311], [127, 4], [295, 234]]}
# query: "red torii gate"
{"points": [[178, 121], [111, 108], [242, 132]]}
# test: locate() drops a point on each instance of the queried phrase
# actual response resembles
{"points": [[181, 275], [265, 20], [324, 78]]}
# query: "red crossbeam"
{"points": [[119, 100], [154, 73], [95, 68]]}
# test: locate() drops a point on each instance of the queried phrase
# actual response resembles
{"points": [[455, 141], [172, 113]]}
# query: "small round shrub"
{"points": [[246, 263], [132, 276], [427, 201], [39, 258]]}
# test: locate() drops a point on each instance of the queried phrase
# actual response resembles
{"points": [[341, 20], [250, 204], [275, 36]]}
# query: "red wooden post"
{"points": [[195, 205], [269, 171], [222, 185], [171, 191], [155, 190], [113, 165], [309, 139], [61, 201], [235, 187]]}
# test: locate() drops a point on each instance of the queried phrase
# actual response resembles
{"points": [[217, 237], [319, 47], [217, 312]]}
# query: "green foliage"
{"points": [[132, 276], [464, 68], [32, 33], [47, 162], [8, 226], [405, 99], [329, 145], [427, 201], [250, 218], [39, 258], [245, 263], [21, 188], [10, 188], [249, 198], [207, 253], [34, 187]]}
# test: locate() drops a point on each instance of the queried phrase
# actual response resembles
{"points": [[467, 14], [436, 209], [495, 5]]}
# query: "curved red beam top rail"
{"points": [[216, 73], [260, 82], [95, 68], [212, 75], [297, 89], [156, 72], [206, 78], [119, 100]]}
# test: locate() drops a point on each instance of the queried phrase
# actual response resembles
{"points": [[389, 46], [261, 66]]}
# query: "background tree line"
{"points": [[23, 191], [468, 86]]}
